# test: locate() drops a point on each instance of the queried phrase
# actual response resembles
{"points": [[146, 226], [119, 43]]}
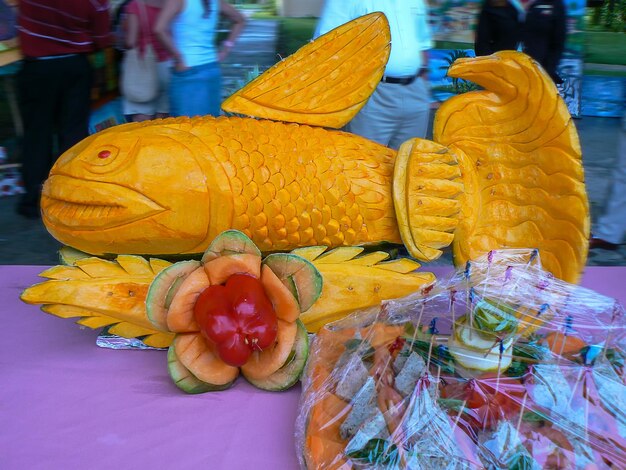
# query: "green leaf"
{"points": [[534, 417], [490, 316], [453, 404], [531, 350], [517, 369], [615, 358], [439, 354], [521, 460], [360, 346], [376, 452]]}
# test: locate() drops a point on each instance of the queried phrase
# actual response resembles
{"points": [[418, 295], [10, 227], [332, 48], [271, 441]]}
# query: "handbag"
{"points": [[140, 80]]}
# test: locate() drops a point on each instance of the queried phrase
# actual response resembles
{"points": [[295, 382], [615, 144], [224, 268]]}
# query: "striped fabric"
{"points": [[60, 27]]}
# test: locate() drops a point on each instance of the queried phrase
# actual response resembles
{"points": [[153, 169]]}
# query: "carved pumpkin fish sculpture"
{"points": [[506, 171]]}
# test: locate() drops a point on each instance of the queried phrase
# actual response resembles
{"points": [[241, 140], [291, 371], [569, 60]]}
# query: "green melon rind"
{"points": [[287, 376], [163, 287], [230, 242], [185, 380], [299, 275]]}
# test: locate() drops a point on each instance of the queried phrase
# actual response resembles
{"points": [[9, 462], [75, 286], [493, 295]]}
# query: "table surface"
{"points": [[66, 403]]}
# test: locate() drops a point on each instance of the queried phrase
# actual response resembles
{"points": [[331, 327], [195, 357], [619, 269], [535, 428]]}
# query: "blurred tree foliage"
{"points": [[609, 14]]}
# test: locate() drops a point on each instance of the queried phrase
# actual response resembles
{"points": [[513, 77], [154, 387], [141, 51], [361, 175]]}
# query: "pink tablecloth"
{"points": [[65, 403]]}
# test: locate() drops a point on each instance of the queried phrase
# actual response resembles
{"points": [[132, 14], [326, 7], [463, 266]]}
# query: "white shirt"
{"points": [[408, 22]]}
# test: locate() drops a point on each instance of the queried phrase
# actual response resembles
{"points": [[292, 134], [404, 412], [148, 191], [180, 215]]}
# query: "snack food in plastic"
{"points": [[499, 366]]}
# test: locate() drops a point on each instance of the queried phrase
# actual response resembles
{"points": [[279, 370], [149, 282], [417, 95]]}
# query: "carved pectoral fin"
{"points": [[426, 187]]}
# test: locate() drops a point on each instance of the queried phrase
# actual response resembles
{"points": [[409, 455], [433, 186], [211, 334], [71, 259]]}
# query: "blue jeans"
{"points": [[196, 91]]}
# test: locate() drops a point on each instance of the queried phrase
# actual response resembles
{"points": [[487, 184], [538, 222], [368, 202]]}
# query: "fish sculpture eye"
{"points": [[102, 157]]}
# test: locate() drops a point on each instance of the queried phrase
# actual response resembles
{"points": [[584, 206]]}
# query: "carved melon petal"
{"points": [[326, 82], [158, 265], [351, 287], [285, 304], [264, 363], [310, 252], [180, 317], [68, 255], [299, 275], [230, 242], [163, 289], [122, 299], [222, 267], [63, 271], [198, 357], [159, 340]]}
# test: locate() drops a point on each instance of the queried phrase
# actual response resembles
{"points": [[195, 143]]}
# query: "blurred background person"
{"points": [[188, 30], [498, 27], [54, 83], [140, 18], [399, 108], [118, 30], [611, 226], [537, 27]]}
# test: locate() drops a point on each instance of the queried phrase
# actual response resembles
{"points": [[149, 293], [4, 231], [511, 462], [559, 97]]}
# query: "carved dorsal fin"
{"points": [[324, 83]]}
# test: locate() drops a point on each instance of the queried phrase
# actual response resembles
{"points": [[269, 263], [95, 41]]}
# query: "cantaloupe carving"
{"points": [[511, 147], [197, 363], [285, 303], [348, 281]]}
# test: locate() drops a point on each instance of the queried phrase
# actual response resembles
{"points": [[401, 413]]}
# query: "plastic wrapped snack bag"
{"points": [[499, 366]]}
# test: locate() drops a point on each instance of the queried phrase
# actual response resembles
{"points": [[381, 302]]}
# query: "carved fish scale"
{"points": [[287, 193]]}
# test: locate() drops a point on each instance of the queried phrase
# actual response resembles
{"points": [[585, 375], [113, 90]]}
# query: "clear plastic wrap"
{"points": [[500, 366]]}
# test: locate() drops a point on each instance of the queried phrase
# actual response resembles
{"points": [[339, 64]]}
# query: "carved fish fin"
{"points": [[426, 187], [326, 82]]}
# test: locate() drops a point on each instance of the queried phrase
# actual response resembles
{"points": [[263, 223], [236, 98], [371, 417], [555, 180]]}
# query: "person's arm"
{"points": [[238, 22], [131, 36], [101, 34], [162, 29]]}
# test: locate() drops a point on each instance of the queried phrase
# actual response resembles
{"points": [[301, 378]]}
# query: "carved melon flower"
{"points": [[235, 312]]}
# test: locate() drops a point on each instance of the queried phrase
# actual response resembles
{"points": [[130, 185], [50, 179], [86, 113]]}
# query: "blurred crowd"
{"points": [[169, 53]]}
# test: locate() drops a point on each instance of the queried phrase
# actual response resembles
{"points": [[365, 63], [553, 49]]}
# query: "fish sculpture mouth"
{"points": [[79, 204]]}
